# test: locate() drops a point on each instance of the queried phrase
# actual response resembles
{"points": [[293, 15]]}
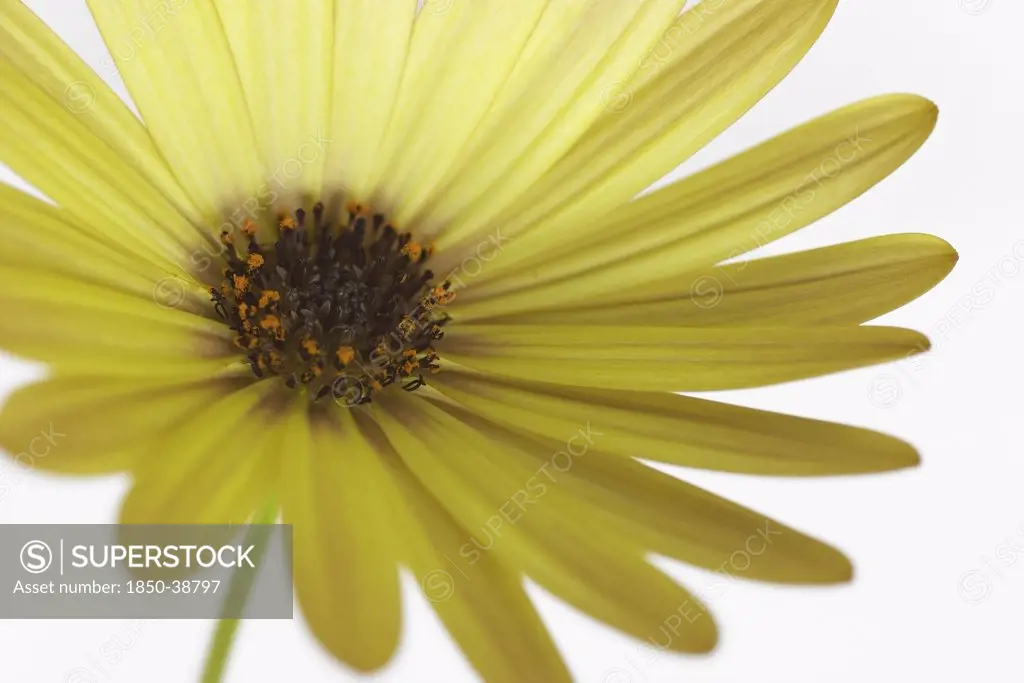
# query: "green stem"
{"points": [[238, 595]]}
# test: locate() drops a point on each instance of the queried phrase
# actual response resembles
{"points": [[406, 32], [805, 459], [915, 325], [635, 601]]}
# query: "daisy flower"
{"points": [[391, 266]]}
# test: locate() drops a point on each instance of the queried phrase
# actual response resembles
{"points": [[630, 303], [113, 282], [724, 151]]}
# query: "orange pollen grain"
{"points": [[346, 354], [268, 296], [310, 346]]}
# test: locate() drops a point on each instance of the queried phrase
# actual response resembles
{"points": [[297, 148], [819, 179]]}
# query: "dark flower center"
{"points": [[344, 308]]}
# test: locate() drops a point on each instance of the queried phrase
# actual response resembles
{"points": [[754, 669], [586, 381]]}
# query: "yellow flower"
{"points": [[388, 269]]}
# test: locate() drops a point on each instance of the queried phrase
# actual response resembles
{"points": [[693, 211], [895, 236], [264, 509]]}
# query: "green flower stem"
{"points": [[238, 595]]}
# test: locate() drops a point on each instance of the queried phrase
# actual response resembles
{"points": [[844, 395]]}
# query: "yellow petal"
{"points": [[63, 320], [176, 62], [739, 205], [513, 648], [97, 424], [673, 359], [39, 236], [283, 55], [705, 72], [36, 51], [571, 556], [215, 467], [341, 505], [845, 284], [559, 87], [658, 512], [459, 60], [680, 430], [57, 152], [370, 48]]}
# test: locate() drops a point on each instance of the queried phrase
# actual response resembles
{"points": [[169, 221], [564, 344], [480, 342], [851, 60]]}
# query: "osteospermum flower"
{"points": [[387, 267]]}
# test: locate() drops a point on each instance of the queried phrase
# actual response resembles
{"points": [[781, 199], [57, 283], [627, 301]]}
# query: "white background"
{"points": [[931, 600]]}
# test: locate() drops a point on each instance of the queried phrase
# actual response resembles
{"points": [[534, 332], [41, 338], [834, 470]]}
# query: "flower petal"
{"points": [[176, 62], [845, 284], [654, 510], [552, 97], [513, 648], [571, 556], [38, 53], [673, 358], [62, 155], [341, 505], [680, 430], [722, 58], [370, 50], [104, 424], [459, 60], [69, 323], [283, 53], [743, 203], [216, 467], [41, 237]]}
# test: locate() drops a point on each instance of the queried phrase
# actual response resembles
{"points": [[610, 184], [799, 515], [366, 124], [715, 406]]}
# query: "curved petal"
{"points": [[557, 90], [673, 358], [283, 53], [458, 62], [176, 62], [657, 512], [99, 424], [845, 284], [342, 508], [34, 50], [573, 557], [722, 58], [58, 152], [42, 237], [215, 467], [734, 207], [64, 321], [370, 50], [513, 648], [680, 430]]}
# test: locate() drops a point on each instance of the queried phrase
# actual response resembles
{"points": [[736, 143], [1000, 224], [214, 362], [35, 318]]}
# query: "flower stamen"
{"points": [[342, 310]]}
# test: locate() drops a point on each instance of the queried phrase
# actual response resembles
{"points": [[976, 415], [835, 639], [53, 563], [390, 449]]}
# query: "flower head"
{"points": [[389, 267]]}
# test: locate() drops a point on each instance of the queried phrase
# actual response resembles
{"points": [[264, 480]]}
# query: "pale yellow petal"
{"points": [[61, 155], [723, 58], [39, 236], [283, 52], [680, 430], [673, 358], [734, 207], [66, 321], [176, 62], [215, 467], [99, 424], [509, 648], [602, 574], [342, 507], [36, 51], [459, 61], [559, 87], [370, 49], [655, 511], [845, 284]]}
